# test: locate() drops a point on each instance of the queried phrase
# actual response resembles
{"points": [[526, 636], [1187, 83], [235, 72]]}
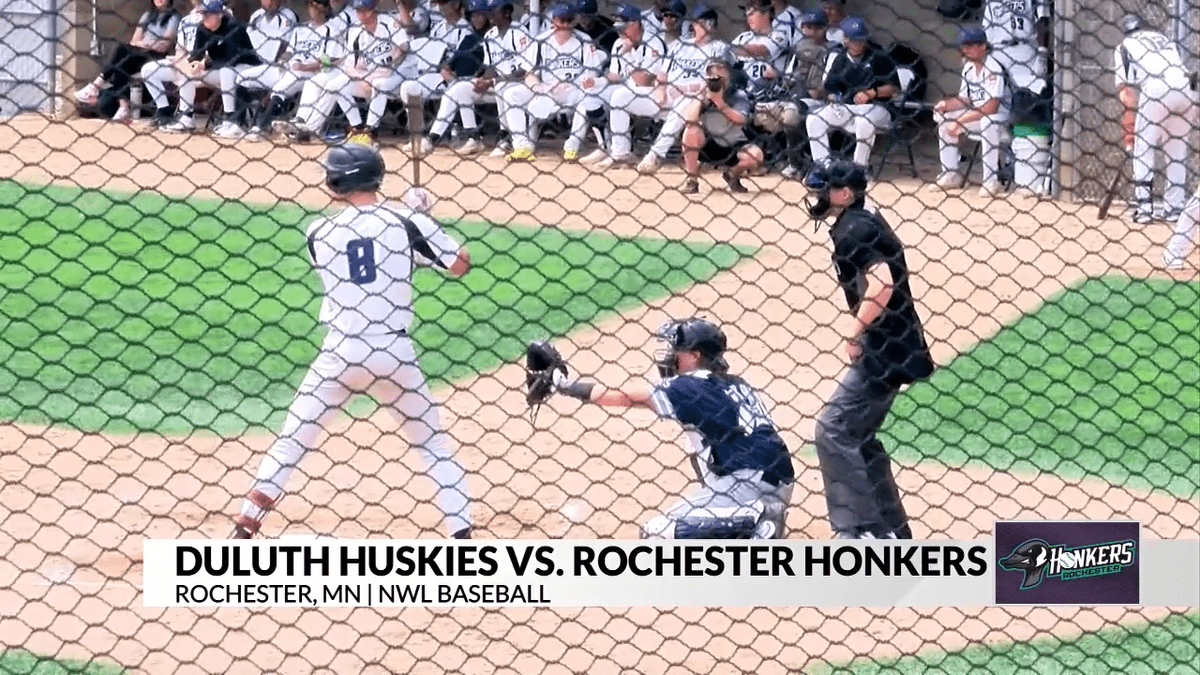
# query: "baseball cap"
{"points": [[496, 5], [323, 3], [972, 35], [854, 28], [1131, 22], [213, 7], [703, 12], [479, 6], [676, 7], [814, 18], [561, 10], [628, 12], [363, 4], [587, 7]]}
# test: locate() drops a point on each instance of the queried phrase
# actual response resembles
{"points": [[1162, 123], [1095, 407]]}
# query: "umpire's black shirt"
{"points": [[847, 76], [228, 45], [893, 347]]}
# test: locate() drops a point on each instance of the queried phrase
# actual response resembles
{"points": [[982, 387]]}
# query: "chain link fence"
{"points": [[159, 311]]}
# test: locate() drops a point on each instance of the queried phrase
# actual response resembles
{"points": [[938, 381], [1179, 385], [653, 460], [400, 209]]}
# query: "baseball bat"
{"points": [[1112, 192], [415, 124]]}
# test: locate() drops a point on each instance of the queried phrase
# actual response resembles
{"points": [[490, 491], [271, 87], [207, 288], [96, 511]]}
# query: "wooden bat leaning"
{"points": [[415, 125], [1112, 193]]}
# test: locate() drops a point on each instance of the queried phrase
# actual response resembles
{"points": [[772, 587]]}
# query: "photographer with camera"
{"points": [[714, 131]]}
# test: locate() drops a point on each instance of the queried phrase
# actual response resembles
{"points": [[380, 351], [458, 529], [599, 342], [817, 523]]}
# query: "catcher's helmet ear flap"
{"points": [[1131, 22], [353, 167]]}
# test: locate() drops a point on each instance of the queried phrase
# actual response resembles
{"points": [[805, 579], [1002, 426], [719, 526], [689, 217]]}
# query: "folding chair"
{"points": [[908, 113]]}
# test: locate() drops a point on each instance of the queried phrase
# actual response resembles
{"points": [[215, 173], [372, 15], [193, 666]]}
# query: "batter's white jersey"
{"points": [[980, 85], [506, 52], [556, 61], [646, 55], [269, 32], [374, 49], [1148, 59], [685, 59], [1012, 21], [309, 43], [366, 256]]}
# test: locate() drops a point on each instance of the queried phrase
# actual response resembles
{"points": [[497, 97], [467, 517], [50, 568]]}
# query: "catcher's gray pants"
{"points": [[741, 494], [859, 488]]}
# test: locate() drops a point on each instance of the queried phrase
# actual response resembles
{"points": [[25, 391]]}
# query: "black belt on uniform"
{"points": [[401, 332], [1011, 43]]}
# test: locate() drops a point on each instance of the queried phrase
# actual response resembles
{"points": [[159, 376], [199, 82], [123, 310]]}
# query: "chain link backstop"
{"points": [[159, 309]]}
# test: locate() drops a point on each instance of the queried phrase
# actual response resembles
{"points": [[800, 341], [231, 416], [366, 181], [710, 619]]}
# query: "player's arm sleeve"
{"points": [[1121, 64], [312, 235], [431, 245]]}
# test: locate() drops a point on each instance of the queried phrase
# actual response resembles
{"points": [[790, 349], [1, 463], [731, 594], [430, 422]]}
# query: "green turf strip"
{"points": [[139, 312], [1100, 381], [21, 662], [1166, 647]]}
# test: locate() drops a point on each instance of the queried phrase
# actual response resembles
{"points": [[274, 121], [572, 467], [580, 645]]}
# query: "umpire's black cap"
{"points": [[353, 167]]}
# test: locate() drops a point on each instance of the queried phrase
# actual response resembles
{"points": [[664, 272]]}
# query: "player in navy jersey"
{"points": [[744, 469]]}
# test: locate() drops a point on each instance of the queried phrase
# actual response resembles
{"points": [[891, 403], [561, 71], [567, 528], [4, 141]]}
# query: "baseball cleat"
{"points": [[1171, 262], [472, 146], [88, 95], [1143, 215], [361, 135], [649, 164], [521, 155], [286, 128], [464, 533], [180, 126], [502, 149], [691, 187], [950, 181], [734, 183], [594, 157], [992, 188], [228, 130], [1169, 215], [790, 172], [570, 155], [123, 116], [240, 532], [424, 147]]}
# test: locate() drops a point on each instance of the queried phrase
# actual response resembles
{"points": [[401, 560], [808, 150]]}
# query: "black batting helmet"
{"points": [[353, 167], [1131, 22], [691, 335]]}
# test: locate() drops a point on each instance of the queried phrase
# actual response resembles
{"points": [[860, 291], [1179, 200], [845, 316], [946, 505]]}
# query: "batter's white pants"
{"points": [[283, 82], [460, 99], [595, 99], [1164, 119], [740, 494], [526, 107], [156, 75], [332, 88], [864, 121], [385, 367], [396, 86], [643, 101], [225, 79], [990, 131], [1025, 66], [1186, 229]]}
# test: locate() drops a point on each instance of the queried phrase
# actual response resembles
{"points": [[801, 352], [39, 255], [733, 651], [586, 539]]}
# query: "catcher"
{"points": [[744, 468]]}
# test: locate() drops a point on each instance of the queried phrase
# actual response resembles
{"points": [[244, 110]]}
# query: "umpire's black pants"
{"points": [[859, 487]]}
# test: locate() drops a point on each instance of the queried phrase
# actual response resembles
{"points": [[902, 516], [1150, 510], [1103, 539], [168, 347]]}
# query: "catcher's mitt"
{"points": [[541, 360]]}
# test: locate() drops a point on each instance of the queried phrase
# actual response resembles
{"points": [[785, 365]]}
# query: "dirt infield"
{"points": [[76, 507]]}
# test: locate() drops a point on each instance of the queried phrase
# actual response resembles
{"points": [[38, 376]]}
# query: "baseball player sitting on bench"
{"points": [[858, 81], [981, 107], [785, 109], [743, 466], [715, 131], [564, 64]]}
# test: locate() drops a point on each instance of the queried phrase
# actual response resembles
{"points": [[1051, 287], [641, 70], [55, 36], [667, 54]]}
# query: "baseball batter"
{"points": [[1016, 29], [365, 256], [565, 63], [744, 468], [1186, 229], [1160, 112]]}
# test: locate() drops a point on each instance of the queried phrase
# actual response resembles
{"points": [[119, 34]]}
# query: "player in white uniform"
{"points": [[835, 14], [372, 46], [679, 80], [636, 55], [504, 45], [665, 19], [270, 30], [1160, 112], [981, 107], [787, 21], [419, 74], [564, 64], [761, 50], [1018, 31], [157, 74], [313, 47], [365, 256], [1186, 228]]}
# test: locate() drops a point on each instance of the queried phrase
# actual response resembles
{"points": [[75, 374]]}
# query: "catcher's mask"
{"points": [[830, 174], [690, 335]]}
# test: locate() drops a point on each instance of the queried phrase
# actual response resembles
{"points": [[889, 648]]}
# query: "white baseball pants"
{"points": [[396, 85], [990, 133], [526, 107], [283, 82], [384, 366], [1186, 229], [1164, 119], [864, 121]]}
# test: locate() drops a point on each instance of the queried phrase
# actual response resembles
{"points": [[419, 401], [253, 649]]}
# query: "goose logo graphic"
{"points": [[1037, 560]]}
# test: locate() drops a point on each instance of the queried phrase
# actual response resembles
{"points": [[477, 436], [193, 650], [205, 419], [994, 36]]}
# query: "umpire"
{"points": [[886, 346]]}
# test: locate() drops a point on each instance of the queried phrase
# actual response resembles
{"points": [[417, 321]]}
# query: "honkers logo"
{"points": [[1038, 560]]}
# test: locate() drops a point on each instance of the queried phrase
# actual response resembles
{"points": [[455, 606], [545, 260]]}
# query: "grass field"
{"points": [[1162, 647], [1100, 381], [138, 312], [21, 662]]}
